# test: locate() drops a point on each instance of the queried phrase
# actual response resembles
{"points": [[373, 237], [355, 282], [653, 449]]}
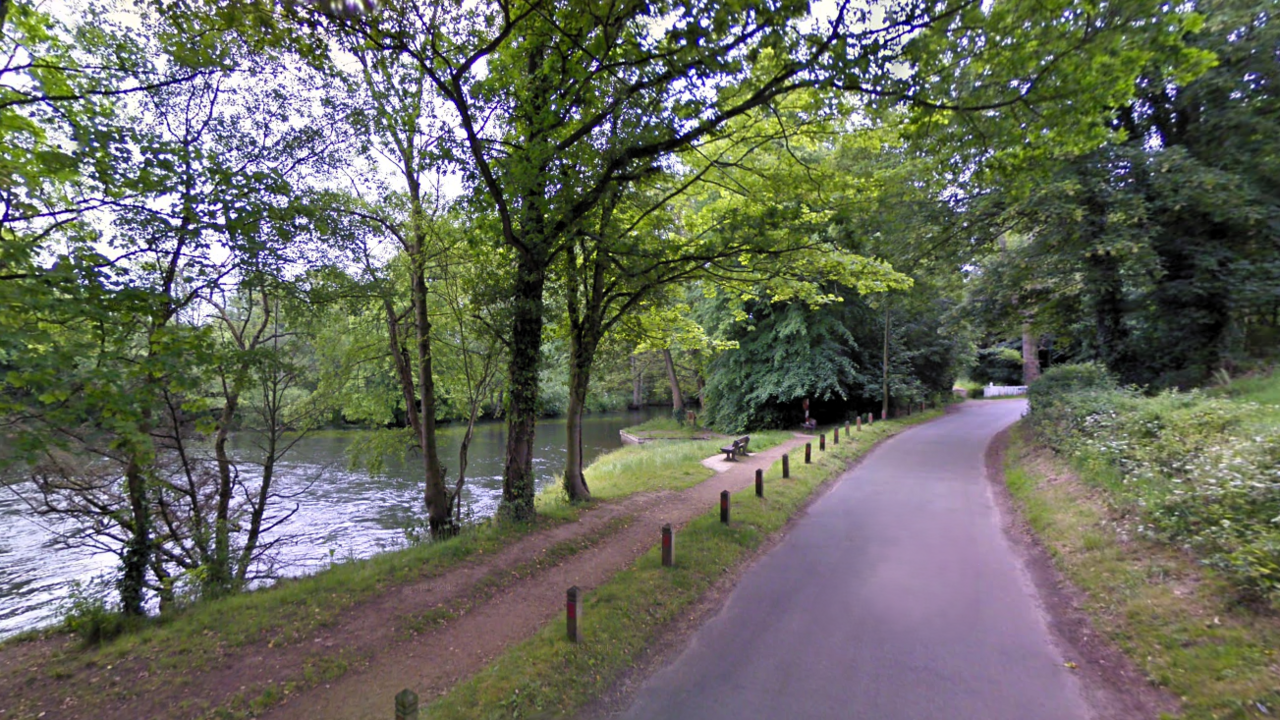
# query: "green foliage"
{"points": [[1193, 470], [90, 616], [1155, 253], [1000, 365]]}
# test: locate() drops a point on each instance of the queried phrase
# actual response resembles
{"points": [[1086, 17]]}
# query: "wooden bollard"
{"points": [[822, 442], [572, 608], [406, 705], [759, 482], [786, 466], [847, 427], [808, 453], [724, 506], [859, 423], [668, 546], [835, 436]]}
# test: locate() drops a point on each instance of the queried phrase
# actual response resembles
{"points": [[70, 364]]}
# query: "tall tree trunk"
{"points": [[575, 481], [580, 358], [1030, 354], [259, 507], [439, 509], [220, 579], [637, 383], [677, 400], [518, 480], [884, 405]]}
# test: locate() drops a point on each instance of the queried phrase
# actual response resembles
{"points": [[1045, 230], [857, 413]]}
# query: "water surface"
{"points": [[333, 512]]}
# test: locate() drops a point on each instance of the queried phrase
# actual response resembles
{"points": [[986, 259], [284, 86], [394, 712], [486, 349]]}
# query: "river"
{"points": [[338, 513]]}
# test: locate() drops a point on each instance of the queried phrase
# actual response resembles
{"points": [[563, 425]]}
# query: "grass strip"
{"points": [[1173, 616], [548, 676]]}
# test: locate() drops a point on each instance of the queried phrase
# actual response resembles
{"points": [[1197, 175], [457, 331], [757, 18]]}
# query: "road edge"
{"points": [[1112, 686]]}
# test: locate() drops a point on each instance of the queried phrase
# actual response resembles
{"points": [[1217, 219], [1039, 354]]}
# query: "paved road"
{"points": [[897, 597]]}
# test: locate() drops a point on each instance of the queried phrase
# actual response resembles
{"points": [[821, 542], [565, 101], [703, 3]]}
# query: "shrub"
{"points": [[1190, 470], [87, 614]]}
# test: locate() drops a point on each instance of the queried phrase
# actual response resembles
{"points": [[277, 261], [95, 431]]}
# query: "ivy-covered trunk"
{"points": [[137, 551], [518, 481]]}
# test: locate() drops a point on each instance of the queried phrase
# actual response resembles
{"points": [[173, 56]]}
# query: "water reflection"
{"points": [[331, 512]]}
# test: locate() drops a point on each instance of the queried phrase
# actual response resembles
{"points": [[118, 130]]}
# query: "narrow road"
{"points": [[897, 596]]}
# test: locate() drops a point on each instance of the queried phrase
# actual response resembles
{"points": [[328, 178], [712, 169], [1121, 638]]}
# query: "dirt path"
{"points": [[433, 661], [426, 635]]}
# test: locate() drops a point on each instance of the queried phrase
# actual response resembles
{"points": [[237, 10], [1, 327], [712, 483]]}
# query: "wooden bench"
{"points": [[737, 447]]}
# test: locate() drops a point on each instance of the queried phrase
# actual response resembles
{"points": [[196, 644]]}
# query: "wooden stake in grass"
{"points": [[668, 546], [724, 506], [406, 705], [859, 423], [808, 453], [786, 466], [822, 442], [572, 605], [846, 427], [759, 482]]}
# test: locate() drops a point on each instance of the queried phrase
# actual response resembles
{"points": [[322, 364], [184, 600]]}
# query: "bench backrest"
{"points": [[743, 441]]}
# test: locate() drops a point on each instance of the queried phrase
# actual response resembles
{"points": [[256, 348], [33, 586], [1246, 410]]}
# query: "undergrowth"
{"points": [[1197, 471]]}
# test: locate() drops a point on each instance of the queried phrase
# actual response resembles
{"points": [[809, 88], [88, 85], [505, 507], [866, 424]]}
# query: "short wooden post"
{"points": [[808, 453], [759, 482], [406, 705], [668, 546], [572, 606], [724, 506], [835, 436], [847, 427], [822, 442], [786, 466], [859, 423]]}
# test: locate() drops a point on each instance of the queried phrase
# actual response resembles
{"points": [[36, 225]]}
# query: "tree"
{"points": [[560, 106]]}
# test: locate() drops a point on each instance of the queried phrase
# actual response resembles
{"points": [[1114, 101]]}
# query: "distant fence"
{"points": [[1003, 390]]}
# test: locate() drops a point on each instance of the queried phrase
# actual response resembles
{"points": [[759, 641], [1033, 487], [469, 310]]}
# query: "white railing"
{"points": [[1003, 390]]}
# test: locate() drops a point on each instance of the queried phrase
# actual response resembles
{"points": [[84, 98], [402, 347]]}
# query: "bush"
{"points": [[86, 613], [1063, 379], [1001, 366], [1188, 469]]}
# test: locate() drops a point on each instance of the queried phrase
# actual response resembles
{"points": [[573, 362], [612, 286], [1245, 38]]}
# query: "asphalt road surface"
{"points": [[896, 597]]}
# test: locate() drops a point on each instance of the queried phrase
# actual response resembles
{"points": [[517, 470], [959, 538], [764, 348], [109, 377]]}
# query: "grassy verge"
{"points": [[668, 428], [1173, 616], [548, 676]]}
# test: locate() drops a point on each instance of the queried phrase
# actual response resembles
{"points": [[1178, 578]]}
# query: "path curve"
{"points": [[897, 596]]}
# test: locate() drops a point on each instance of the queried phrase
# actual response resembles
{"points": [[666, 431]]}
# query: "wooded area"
{"points": [[260, 217]]}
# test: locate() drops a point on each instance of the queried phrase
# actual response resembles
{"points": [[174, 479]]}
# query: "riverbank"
{"points": [[473, 596], [283, 621]]}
